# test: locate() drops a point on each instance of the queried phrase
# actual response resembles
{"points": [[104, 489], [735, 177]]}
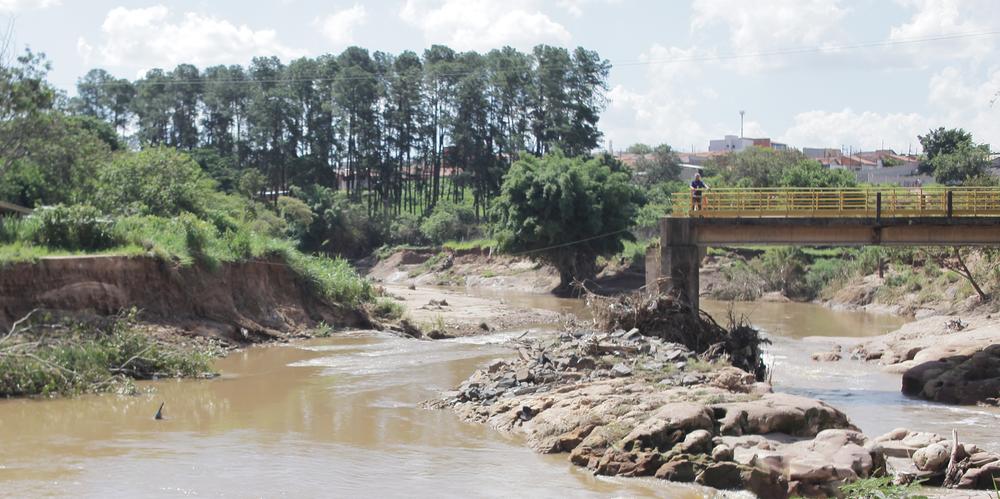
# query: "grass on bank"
{"points": [[46, 357], [185, 239]]}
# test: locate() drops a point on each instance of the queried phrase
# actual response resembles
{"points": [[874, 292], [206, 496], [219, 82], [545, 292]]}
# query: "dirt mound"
{"points": [[238, 302]]}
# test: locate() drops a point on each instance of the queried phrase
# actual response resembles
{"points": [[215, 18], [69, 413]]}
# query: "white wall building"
{"points": [[730, 143]]}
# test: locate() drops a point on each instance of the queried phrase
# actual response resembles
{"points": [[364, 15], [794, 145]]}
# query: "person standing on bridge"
{"points": [[697, 187]]}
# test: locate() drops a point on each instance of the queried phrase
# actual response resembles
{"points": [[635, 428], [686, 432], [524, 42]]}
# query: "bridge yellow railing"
{"points": [[853, 202]]}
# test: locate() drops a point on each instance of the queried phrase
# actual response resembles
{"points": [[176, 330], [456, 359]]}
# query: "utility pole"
{"points": [[742, 112]]}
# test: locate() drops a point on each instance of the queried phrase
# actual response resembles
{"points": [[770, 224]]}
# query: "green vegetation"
{"points": [[760, 167], [953, 158], [566, 211], [388, 309], [881, 488], [42, 357]]}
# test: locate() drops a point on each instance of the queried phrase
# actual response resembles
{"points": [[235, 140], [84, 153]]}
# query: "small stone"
{"points": [[523, 375], [697, 442], [496, 365], [826, 357], [722, 453], [621, 370], [677, 471], [506, 382], [934, 457], [633, 335], [721, 476]]}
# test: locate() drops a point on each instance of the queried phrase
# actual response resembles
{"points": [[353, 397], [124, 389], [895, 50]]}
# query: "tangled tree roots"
{"points": [[666, 317]]}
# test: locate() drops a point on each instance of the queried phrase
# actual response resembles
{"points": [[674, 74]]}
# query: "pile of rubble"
{"points": [[580, 356]]}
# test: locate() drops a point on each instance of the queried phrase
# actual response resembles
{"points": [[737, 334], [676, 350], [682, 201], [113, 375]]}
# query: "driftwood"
{"points": [[666, 317]]}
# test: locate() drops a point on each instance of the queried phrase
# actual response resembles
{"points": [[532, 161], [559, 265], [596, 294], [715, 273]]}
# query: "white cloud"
{"points": [[483, 24], [667, 111], [575, 7], [19, 5], [967, 102], [154, 37], [339, 26], [935, 18], [866, 129], [776, 25]]}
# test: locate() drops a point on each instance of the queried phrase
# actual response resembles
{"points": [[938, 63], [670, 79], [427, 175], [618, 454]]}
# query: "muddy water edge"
{"points": [[340, 416]]}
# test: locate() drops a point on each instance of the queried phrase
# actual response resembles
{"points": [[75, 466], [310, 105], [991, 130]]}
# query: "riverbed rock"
{"points": [[697, 442], [668, 425], [621, 370], [677, 471], [934, 457], [721, 476], [984, 478], [722, 452], [960, 379], [779, 412], [826, 356]]}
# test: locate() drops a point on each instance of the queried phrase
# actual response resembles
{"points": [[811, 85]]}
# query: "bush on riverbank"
{"points": [[917, 276], [45, 357]]}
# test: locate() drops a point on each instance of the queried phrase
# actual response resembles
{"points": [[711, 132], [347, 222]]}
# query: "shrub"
{"points": [[75, 227], [448, 221], [156, 181], [821, 273], [89, 358], [388, 309]]}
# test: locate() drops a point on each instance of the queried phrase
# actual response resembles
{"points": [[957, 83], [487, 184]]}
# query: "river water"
{"points": [[341, 417]]}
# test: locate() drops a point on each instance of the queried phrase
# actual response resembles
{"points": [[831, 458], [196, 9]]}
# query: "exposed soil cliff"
{"points": [[236, 302]]}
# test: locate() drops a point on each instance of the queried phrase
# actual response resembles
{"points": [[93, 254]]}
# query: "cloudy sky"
{"points": [[820, 73]]}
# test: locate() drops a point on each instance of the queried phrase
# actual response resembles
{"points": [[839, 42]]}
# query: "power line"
{"points": [[633, 63], [571, 243]]}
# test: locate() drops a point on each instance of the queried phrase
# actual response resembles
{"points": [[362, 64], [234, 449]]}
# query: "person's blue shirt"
{"points": [[698, 184]]}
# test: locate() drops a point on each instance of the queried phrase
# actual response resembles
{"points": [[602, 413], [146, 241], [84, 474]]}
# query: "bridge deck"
{"points": [[875, 203]]}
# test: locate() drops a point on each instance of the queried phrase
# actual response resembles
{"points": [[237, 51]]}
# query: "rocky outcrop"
{"points": [[925, 457], [962, 379], [676, 416], [236, 302]]}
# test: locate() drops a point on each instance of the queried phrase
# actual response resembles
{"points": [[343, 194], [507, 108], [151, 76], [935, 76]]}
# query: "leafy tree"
{"points": [[448, 221], [24, 97], [565, 211], [156, 181], [639, 149], [808, 173], [943, 141], [59, 163], [967, 161], [754, 167], [659, 165]]}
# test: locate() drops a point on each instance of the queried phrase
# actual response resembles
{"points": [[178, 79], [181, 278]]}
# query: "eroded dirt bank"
{"points": [[236, 303]]}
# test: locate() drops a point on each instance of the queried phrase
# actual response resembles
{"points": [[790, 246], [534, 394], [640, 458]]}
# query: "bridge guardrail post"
{"points": [[878, 207], [949, 203]]}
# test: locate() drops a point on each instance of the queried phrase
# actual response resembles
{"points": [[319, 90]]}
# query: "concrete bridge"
{"points": [[816, 217]]}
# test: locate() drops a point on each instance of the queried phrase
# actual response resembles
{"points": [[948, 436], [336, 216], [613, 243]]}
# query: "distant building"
{"points": [[732, 143]]}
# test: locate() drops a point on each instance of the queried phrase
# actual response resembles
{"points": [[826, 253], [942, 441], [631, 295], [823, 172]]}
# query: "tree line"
{"points": [[395, 132]]}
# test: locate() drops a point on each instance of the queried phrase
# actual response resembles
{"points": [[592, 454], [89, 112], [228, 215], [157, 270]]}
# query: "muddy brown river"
{"points": [[341, 417]]}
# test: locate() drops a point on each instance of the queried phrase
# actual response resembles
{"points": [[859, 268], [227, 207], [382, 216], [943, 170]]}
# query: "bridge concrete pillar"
{"points": [[680, 259]]}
